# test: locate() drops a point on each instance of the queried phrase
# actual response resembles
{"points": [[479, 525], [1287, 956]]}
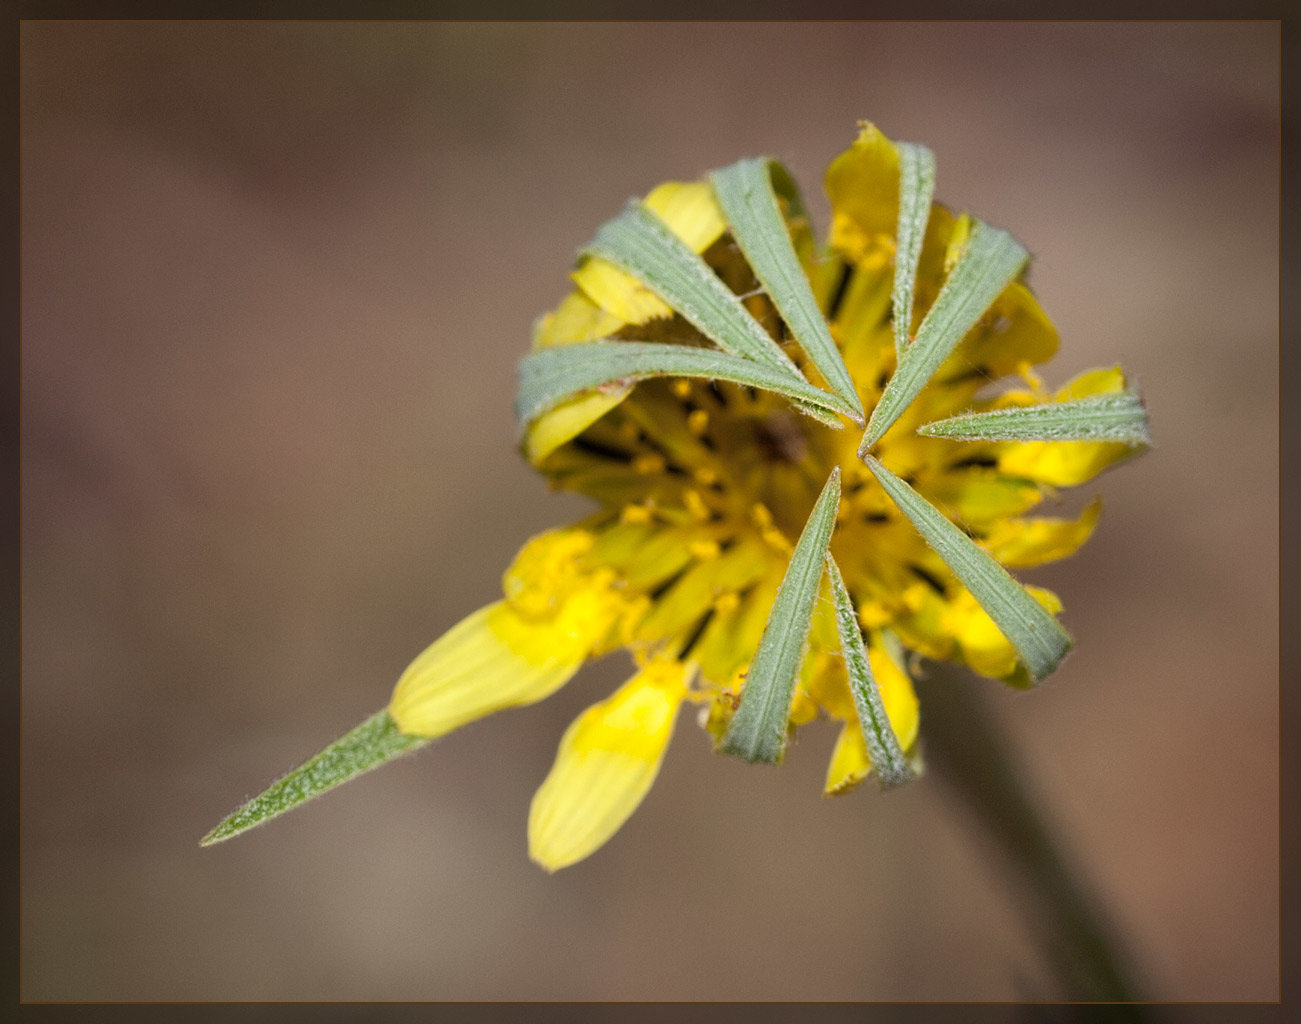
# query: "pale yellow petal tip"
{"points": [[547, 860], [607, 762], [870, 135]]}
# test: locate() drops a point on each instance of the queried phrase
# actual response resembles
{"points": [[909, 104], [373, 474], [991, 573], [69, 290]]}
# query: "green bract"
{"points": [[916, 186], [368, 746], [991, 259], [1038, 638], [746, 195], [758, 729], [883, 748], [1118, 417]]}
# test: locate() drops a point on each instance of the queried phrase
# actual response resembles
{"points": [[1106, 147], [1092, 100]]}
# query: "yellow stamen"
{"points": [[704, 550], [650, 464], [728, 602], [696, 506], [635, 514], [606, 764]]}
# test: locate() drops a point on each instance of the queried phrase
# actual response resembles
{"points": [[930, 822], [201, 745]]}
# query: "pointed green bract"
{"points": [[550, 375], [1038, 638], [374, 742], [991, 261], [916, 187], [1117, 417], [757, 732], [745, 192], [887, 757], [640, 244]]}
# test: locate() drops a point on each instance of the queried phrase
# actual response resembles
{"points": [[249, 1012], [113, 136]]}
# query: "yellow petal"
{"points": [[607, 762], [1107, 380], [956, 243], [862, 329], [803, 709], [616, 539], [567, 420], [977, 496], [497, 658], [897, 693], [620, 294], [1063, 463], [863, 185], [925, 628], [1016, 331], [692, 213], [984, 648], [576, 319], [664, 553], [822, 673], [850, 764], [1019, 543], [732, 636], [822, 676]]}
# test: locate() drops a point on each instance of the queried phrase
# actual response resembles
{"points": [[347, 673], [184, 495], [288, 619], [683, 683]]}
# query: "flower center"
{"points": [[780, 438], [706, 486]]}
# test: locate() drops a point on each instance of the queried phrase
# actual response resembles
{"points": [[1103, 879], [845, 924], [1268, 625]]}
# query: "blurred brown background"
{"points": [[275, 281]]}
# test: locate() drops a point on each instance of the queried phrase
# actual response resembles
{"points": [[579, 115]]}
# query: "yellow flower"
{"points": [[703, 487]]}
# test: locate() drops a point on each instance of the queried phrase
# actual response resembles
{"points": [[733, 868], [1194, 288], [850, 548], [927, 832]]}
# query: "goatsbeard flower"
{"points": [[759, 556]]}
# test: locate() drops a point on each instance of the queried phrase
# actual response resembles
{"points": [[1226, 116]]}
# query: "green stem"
{"points": [[965, 746]]}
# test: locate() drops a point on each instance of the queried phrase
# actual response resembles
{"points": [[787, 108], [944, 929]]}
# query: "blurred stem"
{"points": [[966, 747]]}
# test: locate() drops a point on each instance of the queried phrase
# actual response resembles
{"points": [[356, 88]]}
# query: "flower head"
{"points": [[757, 553]]}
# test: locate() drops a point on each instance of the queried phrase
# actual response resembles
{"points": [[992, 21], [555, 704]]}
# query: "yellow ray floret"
{"points": [[607, 762], [494, 658], [863, 184], [1021, 543], [515, 651], [983, 646]]}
